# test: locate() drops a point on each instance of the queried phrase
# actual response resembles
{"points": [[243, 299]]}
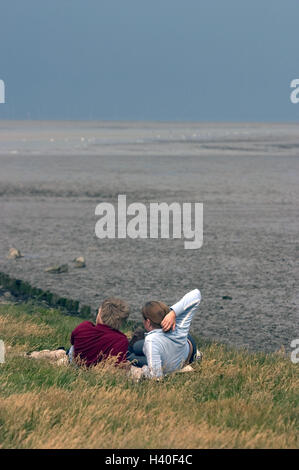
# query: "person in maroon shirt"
{"points": [[92, 343]]}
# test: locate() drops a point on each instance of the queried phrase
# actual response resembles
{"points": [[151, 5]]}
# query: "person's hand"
{"points": [[135, 373], [168, 321]]}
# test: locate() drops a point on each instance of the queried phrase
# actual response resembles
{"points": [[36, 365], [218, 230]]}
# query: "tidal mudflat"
{"points": [[53, 175]]}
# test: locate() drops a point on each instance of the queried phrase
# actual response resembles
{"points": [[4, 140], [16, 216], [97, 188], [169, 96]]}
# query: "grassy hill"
{"points": [[233, 399]]}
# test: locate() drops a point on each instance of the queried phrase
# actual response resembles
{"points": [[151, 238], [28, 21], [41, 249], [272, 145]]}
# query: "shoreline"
{"points": [[17, 291], [23, 290]]}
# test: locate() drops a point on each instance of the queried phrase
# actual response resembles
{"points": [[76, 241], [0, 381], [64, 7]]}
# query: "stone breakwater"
{"points": [[24, 290]]}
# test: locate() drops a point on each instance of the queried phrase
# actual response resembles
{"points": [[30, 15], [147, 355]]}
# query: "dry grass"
{"points": [[233, 400], [20, 328], [115, 418]]}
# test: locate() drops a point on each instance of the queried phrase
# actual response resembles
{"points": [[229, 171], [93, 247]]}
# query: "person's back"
{"points": [[95, 342], [168, 351]]}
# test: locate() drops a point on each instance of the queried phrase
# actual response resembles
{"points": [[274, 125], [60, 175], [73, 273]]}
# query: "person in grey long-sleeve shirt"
{"points": [[168, 351]]}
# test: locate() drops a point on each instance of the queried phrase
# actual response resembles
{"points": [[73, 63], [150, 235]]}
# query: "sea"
{"points": [[53, 175]]}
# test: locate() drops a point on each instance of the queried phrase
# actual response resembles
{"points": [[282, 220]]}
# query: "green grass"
{"points": [[232, 399]]}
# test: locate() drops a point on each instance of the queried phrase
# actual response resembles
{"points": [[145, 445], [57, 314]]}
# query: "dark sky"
{"points": [[211, 60]]}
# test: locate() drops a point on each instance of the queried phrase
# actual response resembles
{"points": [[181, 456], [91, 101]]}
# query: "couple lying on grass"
{"points": [[165, 347]]}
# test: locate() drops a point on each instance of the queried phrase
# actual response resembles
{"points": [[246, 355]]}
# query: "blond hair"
{"points": [[114, 311]]}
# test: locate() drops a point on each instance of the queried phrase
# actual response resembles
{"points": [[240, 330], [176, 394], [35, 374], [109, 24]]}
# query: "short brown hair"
{"points": [[114, 311], [155, 311]]}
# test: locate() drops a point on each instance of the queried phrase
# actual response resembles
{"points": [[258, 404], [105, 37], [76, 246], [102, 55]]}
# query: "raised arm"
{"points": [[190, 302], [182, 312]]}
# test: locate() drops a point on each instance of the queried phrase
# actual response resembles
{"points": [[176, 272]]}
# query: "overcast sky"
{"points": [[208, 60]]}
